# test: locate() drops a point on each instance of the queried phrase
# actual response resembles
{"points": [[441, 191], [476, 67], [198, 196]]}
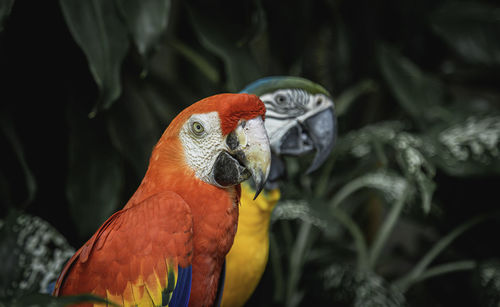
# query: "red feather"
{"points": [[172, 218]]}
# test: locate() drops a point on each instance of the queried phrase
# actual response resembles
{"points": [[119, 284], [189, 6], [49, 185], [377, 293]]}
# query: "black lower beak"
{"points": [[228, 171]]}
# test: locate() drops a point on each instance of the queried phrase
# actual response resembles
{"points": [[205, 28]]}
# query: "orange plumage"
{"points": [[174, 220]]}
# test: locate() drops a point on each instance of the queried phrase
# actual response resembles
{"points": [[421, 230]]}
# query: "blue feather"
{"points": [[220, 289], [182, 291]]}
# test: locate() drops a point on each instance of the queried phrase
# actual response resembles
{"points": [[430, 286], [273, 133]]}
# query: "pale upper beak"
{"points": [[248, 154]]}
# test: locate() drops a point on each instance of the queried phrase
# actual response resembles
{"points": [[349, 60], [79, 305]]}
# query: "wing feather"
{"points": [[140, 256]]}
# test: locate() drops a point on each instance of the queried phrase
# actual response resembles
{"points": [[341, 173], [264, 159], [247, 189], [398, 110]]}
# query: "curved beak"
{"points": [[312, 132], [322, 128], [249, 149]]}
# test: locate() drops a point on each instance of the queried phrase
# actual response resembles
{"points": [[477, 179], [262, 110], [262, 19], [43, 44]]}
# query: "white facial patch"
{"points": [[201, 148], [286, 107]]}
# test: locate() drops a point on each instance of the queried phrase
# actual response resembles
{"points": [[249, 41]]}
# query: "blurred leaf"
{"points": [[486, 282], [351, 287], [390, 184], [226, 42], [407, 280], [471, 28], [413, 154], [146, 20], [95, 177], [33, 254], [420, 95], [197, 60], [5, 8], [415, 165], [327, 221], [446, 268], [344, 101], [98, 30], [133, 128], [289, 210], [386, 228], [359, 143], [8, 129], [45, 300], [469, 147]]}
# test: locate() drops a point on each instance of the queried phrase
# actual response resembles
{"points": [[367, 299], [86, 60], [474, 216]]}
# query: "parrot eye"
{"points": [[281, 99], [197, 128]]}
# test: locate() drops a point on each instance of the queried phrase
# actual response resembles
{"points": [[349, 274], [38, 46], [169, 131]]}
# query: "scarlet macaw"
{"points": [[299, 119], [167, 246]]}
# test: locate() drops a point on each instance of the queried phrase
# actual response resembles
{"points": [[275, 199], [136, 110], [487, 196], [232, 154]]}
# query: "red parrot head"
{"points": [[222, 139]]}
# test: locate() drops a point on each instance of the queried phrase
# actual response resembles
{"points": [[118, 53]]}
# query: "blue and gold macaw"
{"points": [[300, 119]]}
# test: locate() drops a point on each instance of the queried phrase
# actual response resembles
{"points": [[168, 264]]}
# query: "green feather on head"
{"points": [[274, 83]]}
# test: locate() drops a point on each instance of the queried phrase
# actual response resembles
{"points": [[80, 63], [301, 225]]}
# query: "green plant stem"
{"points": [[415, 274], [356, 233], [446, 268], [279, 285], [347, 190], [323, 181], [286, 230], [349, 96], [386, 229], [296, 261]]}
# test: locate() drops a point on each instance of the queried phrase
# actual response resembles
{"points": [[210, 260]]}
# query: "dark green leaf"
{"points": [[226, 42], [419, 94], [96, 175], [205, 67], [5, 8], [45, 300], [133, 128], [97, 28], [146, 21], [8, 129], [472, 29]]}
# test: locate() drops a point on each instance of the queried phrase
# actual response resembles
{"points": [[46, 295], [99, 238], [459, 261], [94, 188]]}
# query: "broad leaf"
{"points": [[96, 175], [227, 42], [133, 128], [472, 29], [146, 21], [98, 30], [419, 94], [5, 8], [18, 164]]}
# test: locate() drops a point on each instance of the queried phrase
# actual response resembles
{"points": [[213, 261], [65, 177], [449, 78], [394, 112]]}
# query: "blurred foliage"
{"points": [[404, 213]]}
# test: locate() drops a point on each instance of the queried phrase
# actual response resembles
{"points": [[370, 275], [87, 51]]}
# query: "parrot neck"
{"points": [[255, 214]]}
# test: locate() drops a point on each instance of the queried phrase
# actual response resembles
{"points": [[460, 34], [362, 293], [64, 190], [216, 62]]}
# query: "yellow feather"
{"points": [[247, 259]]}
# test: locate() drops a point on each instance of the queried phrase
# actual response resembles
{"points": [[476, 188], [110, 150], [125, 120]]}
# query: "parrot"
{"points": [[300, 119], [167, 246]]}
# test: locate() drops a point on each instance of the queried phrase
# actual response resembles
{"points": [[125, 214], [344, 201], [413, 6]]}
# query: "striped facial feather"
{"points": [[286, 107], [201, 146]]}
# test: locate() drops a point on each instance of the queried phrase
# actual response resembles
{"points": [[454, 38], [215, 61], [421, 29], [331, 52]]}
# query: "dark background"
{"points": [[409, 79]]}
